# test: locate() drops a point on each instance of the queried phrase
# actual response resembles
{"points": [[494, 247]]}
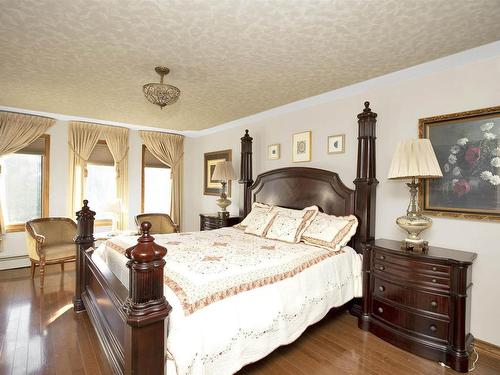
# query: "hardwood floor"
{"points": [[40, 334]]}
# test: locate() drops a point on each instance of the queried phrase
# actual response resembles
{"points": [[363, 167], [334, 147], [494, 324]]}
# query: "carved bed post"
{"points": [[246, 172], [146, 307], [84, 240], [366, 180], [365, 197]]}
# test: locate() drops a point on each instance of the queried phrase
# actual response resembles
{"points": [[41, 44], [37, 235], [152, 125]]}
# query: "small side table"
{"points": [[213, 221]]}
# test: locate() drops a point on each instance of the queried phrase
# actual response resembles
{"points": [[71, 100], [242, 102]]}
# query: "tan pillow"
{"points": [[258, 211], [288, 225], [329, 231], [260, 224]]}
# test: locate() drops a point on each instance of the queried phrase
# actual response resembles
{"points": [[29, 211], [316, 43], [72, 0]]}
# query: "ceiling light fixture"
{"points": [[161, 93]]}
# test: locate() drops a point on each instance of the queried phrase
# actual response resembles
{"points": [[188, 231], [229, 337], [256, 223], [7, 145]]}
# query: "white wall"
{"points": [[13, 248], [399, 105]]}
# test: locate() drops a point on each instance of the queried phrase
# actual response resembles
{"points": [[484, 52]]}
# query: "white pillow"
{"points": [[329, 231], [288, 225], [258, 211], [260, 223]]}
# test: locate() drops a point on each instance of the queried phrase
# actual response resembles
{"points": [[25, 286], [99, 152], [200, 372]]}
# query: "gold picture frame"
{"points": [[211, 187], [466, 145], [274, 151], [301, 147], [336, 144]]}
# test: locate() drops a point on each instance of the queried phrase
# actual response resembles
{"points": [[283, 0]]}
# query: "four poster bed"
{"points": [[227, 303]]}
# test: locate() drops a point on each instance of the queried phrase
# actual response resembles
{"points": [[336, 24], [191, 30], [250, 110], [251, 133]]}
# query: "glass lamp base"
{"points": [[414, 225]]}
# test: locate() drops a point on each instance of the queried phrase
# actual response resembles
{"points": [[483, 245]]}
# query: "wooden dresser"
{"points": [[213, 221], [419, 302]]}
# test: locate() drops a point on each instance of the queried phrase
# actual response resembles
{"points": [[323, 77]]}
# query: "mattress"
{"points": [[236, 297]]}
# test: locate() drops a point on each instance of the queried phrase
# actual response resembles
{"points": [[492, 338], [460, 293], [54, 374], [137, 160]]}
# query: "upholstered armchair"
{"points": [[50, 241], [160, 223]]}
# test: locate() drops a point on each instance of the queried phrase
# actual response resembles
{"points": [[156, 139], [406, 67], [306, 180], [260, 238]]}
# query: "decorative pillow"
{"points": [[288, 225], [329, 231], [257, 213], [260, 224]]}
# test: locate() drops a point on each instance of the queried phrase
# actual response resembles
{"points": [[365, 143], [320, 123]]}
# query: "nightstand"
{"points": [[213, 221], [419, 302]]}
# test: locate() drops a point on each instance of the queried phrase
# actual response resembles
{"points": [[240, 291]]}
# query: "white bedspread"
{"points": [[237, 297]]}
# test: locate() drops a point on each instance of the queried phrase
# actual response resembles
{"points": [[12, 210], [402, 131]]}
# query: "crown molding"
{"points": [[483, 52], [61, 117]]}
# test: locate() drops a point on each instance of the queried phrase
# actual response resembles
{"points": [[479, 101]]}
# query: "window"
{"points": [[156, 184], [100, 183], [25, 184]]}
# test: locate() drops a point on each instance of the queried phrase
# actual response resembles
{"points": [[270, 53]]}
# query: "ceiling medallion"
{"points": [[161, 93]]}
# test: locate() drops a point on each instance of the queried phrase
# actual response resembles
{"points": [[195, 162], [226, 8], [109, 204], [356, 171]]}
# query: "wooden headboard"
{"points": [[299, 187]]}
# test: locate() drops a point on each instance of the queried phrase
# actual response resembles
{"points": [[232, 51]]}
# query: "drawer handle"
{"points": [[434, 304], [380, 310], [381, 288], [382, 257], [381, 268], [434, 281], [433, 328], [434, 268]]}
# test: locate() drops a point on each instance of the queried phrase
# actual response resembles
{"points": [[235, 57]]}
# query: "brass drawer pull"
{"points": [[433, 328], [382, 257], [381, 288], [380, 310], [434, 304], [381, 268], [434, 268], [434, 281]]}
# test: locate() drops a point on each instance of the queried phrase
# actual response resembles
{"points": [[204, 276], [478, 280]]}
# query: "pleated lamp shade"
{"points": [[414, 158], [224, 171]]}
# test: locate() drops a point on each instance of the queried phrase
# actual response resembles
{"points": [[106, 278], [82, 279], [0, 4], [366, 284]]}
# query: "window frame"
{"points": [[143, 178], [21, 227], [100, 222]]}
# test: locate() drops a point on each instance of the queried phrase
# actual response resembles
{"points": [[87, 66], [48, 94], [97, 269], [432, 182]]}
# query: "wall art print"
{"points": [[467, 146], [301, 147], [211, 186]]}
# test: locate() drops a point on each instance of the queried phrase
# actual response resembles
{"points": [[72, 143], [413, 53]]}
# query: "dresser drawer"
{"points": [[420, 324], [409, 274], [425, 301], [407, 262]]}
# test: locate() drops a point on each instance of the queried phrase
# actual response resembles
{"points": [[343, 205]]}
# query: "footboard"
{"points": [[129, 323]]}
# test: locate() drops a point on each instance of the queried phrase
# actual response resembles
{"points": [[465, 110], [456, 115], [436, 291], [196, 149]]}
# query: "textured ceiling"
{"points": [[229, 58]]}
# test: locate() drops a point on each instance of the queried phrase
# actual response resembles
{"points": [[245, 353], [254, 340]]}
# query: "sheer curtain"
{"points": [[169, 149], [82, 138], [117, 141], [16, 132]]}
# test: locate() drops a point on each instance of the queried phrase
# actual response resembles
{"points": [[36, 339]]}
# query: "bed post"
{"points": [[84, 240], [246, 172], [146, 307], [366, 180]]}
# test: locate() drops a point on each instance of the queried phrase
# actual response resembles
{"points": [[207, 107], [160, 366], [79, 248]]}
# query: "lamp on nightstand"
{"points": [[414, 158], [115, 208], [223, 172]]}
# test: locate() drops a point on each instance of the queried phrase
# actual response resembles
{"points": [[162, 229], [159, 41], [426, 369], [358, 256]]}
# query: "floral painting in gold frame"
{"points": [[467, 146]]}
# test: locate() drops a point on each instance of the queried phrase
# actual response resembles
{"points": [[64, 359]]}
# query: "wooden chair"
{"points": [[160, 223], [50, 241]]}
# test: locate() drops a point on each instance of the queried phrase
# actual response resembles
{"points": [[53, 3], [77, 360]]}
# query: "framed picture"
{"points": [[301, 147], [273, 152], [336, 144], [467, 146], [210, 186]]}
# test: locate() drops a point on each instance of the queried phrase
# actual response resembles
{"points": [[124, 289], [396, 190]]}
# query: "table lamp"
{"points": [[115, 208], [223, 172], [414, 158]]}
